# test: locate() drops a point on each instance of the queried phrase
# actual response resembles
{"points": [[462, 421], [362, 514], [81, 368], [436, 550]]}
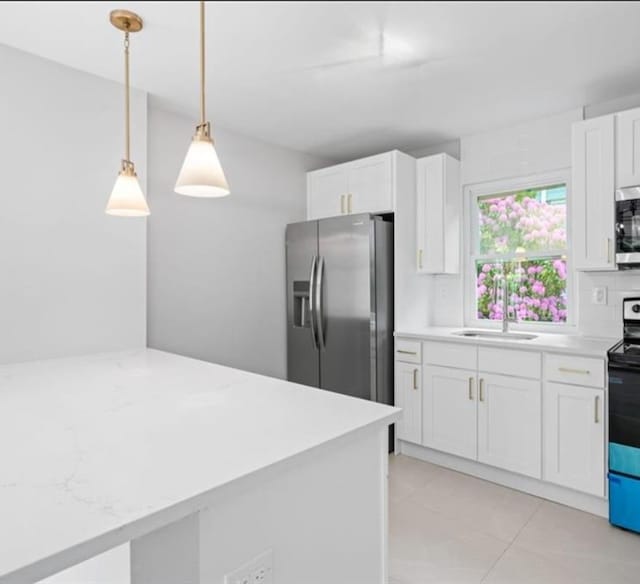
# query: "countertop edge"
{"points": [[541, 345], [141, 526]]}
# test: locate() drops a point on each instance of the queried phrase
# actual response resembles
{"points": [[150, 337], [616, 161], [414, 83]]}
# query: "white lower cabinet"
{"points": [[510, 423], [543, 417], [408, 396], [574, 445], [449, 410]]}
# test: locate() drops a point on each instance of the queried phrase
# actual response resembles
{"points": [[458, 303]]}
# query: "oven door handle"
{"points": [[624, 366]]}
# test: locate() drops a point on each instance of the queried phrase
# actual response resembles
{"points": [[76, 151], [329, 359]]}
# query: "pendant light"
{"points": [[127, 199], [201, 174]]}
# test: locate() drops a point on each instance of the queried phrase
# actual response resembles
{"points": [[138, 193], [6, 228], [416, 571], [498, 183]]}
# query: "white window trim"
{"points": [[471, 194]]}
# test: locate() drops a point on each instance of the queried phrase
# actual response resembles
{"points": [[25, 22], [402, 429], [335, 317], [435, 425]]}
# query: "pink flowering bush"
{"points": [[537, 287], [520, 220], [537, 291]]}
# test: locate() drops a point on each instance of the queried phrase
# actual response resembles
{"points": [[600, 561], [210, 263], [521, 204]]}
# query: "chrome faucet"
{"points": [[505, 303]]}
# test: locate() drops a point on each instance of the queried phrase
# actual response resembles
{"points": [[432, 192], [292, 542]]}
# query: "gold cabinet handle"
{"points": [[342, 204], [596, 408], [406, 352], [420, 259], [608, 250], [577, 371], [415, 379], [471, 388], [349, 202], [481, 393]]}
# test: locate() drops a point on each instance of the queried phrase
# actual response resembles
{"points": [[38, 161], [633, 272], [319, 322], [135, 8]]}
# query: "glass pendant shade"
{"points": [[126, 198], [201, 174]]}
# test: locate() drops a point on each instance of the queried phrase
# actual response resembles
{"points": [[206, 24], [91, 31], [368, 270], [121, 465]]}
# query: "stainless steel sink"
{"points": [[495, 335]]}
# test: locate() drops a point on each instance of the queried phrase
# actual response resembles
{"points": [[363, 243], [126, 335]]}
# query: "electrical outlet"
{"points": [[599, 295], [257, 571]]}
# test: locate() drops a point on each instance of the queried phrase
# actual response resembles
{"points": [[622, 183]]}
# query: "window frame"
{"points": [[505, 186]]}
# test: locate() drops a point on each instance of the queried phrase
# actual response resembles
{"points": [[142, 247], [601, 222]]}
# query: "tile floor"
{"points": [[450, 528]]}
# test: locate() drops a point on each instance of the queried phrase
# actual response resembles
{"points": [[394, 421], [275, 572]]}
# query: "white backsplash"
{"points": [[604, 320], [448, 301], [592, 319]]}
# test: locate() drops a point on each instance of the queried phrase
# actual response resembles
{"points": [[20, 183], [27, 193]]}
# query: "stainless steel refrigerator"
{"points": [[340, 305]]}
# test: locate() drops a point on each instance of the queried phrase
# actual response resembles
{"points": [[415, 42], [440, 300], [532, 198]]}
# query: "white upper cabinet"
{"points": [[593, 190], [361, 186], [438, 215], [628, 148], [370, 185], [326, 192], [574, 437]]}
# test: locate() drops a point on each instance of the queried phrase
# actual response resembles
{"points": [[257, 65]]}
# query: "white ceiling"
{"points": [[449, 68]]}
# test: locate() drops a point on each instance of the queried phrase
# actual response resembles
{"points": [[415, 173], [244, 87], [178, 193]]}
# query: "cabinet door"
{"points": [[408, 396], [438, 213], [370, 185], [509, 423], [592, 197], [430, 214], [327, 192], [449, 410], [628, 148], [574, 437]]}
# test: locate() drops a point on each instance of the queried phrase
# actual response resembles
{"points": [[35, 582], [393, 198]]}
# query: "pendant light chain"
{"points": [[127, 108], [202, 65]]}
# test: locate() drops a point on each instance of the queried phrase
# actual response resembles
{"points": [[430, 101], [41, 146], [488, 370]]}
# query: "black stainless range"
{"points": [[624, 422]]}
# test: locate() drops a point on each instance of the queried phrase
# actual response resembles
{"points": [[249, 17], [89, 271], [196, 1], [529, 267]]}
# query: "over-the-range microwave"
{"points": [[628, 228]]}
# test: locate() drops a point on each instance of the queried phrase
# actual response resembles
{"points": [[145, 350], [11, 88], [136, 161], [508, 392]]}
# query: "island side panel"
{"points": [[324, 519], [169, 555]]}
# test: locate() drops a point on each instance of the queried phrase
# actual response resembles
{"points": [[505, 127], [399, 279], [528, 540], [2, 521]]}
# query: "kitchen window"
{"points": [[520, 234]]}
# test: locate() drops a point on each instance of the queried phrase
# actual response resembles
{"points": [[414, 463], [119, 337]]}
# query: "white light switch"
{"points": [[599, 295]]}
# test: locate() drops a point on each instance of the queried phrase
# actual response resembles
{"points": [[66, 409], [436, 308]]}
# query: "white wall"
{"points": [[217, 266], [451, 147], [72, 279], [525, 149], [612, 106]]}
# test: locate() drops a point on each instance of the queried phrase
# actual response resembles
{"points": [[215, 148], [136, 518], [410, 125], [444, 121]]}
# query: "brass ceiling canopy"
{"points": [[125, 20]]}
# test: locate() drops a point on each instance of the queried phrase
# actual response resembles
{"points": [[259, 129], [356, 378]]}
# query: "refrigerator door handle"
{"points": [[319, 302], [312, 301]]}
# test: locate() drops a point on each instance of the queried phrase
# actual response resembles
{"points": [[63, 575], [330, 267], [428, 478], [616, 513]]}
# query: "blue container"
{"points": [[624, 501]]}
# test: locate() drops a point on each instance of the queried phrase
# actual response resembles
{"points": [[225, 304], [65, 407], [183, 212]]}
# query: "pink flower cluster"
{"points": [[521, 220], [537, 292]]}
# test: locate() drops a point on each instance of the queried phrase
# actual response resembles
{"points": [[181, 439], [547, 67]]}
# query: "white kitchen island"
{"points": [[201, 467]]}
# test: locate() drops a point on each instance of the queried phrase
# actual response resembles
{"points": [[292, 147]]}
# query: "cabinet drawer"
{"points": [[574, 370], [456, 355], [408, 351], [510, 362]]}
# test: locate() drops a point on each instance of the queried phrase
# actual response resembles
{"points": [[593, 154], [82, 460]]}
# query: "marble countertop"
{"points": [[97, 450], [571, 344]]}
